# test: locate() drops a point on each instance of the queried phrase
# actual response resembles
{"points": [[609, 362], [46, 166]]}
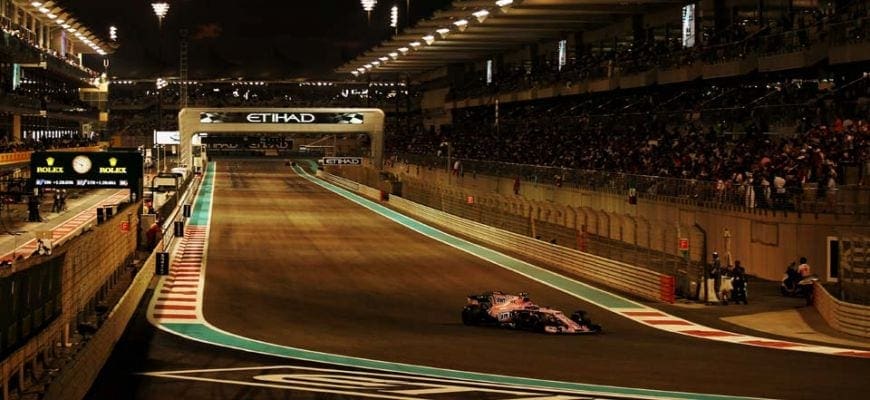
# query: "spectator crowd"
{"points": [[42, 144], [777, 137], [792, 32]]}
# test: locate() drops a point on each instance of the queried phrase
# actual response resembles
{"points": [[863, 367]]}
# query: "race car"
{"points": [[519, 312]]}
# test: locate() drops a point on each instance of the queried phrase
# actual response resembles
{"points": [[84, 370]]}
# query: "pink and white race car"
{"points": [[518, 312]]}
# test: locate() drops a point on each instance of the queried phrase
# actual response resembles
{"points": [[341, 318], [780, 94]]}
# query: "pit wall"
{"points": [[764, 241], [76, 378]]}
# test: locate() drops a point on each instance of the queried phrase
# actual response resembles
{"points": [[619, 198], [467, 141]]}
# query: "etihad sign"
{"points": [[281, 118]]}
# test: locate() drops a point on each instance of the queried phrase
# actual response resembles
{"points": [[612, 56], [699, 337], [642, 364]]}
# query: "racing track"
{"points": [[293, 264]]}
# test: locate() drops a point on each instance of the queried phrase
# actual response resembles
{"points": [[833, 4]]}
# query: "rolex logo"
{"points": [[50, 169], [113, 167]]}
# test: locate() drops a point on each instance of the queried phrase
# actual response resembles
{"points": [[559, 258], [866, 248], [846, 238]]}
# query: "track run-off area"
{"points": [[276, 262]]}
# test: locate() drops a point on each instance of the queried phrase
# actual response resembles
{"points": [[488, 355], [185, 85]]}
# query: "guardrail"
{"points": [[621, 276], [845, 317]]}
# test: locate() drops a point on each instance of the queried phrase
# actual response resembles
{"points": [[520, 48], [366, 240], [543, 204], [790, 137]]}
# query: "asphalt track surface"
{"points": [[293, 264]]}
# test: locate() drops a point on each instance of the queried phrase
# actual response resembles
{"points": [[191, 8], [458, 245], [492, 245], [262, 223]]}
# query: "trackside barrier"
{"points": [[624, 277], [845, 317], [668, 286], [76, 378]]}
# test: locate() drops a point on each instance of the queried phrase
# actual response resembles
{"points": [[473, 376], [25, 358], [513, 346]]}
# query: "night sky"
{"points": [[253, 39]]}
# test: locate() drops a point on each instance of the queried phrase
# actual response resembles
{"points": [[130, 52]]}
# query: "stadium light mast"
{"points": [[160, 10], [368, 6]]}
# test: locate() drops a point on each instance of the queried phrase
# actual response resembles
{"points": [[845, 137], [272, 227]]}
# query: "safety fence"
{"points": [[631, 279], [809, 198]]}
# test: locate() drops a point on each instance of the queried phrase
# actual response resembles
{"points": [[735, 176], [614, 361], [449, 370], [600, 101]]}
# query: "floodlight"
{"points": [[461, 24], [160, 10], [480, 15]]}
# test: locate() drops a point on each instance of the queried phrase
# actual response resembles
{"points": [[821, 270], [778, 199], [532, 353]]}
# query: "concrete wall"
{"points": [[764, 241], [93, 263]]}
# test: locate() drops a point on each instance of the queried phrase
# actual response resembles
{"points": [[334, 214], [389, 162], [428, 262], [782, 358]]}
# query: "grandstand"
{"points": [[718, 105], [49, 99]]}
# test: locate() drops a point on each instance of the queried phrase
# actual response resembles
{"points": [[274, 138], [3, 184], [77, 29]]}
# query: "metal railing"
{"points": [[808, 198]]}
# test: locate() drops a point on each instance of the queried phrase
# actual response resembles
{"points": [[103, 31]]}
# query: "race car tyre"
{"points": [[470, 315]]}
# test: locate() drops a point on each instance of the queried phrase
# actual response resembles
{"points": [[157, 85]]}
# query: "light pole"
{"points": [[160, 147], [160, 10]]}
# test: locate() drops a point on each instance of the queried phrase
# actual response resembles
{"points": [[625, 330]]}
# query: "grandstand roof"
{"points": [[51, 13], [493, 27]]}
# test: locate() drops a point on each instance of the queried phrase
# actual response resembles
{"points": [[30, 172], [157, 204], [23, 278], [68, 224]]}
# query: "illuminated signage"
{"points": [[233, 142], [281, 118], [341, 161], [167, 137], [354, 118], [49, 167], [60, 169], [689, 25], [113, 168]]}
